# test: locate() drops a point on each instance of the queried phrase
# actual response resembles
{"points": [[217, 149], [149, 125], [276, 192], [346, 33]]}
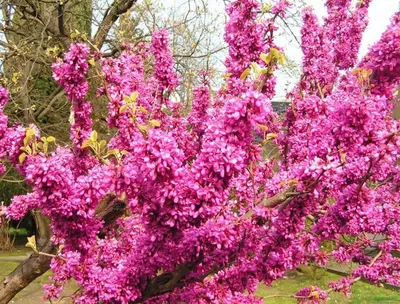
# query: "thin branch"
{"points": [[54, 97], [60, 18], [287, 25], [111, 16], [200, 56]]}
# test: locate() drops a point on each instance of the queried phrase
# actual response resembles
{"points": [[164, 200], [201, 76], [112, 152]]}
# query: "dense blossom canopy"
{"points": [[209, 214]]}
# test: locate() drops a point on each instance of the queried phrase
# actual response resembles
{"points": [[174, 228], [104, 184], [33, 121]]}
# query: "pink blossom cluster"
{"points": [[70, 73], [10, 138], [243, 35], [123, 76], [318, 56], [163, 62], [247, 38], [332, 46], [3, 125], [200, 104], [311, 295], [344, 29], [382, 59]]}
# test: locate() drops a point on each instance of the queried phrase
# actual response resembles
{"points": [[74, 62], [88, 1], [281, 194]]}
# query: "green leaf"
{"points": [[32, 243], [265, 57], [92, 61], [256, 68], [143, 128], [102, 144], [263, 71], [273, 57], [86, 144], [28, 150], [15, 77], [123, 108], [134, 96], [245, 73], [263, 128], [266, 7], [30, 132], [112, 152], [93, 136], [155, 123], [227, 76], [21, 158], [59, 250], [271, 136], [51, 139], [26, 141], [127, 99]]}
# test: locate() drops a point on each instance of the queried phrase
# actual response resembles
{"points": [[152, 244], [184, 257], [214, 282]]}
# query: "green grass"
{"points": [[17, 251], [6, 267], [33, 293], [362, 293]]}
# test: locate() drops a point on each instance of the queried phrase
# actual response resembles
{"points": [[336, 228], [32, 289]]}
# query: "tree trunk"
{"points": [[34, 266], [30, 269]]}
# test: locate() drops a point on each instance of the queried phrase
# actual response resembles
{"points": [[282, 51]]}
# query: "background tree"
{"points": [[34, 34]]}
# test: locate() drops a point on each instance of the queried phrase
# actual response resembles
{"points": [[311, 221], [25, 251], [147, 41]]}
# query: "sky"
{"points": [[380, 12]]}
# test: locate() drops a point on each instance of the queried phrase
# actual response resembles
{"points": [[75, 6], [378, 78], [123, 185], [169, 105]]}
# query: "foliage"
{"points": [[208, 217]]}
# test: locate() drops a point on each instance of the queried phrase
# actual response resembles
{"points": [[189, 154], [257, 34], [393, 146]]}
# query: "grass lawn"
{"points": [[33, 293], [363, 293], [17, 251]]}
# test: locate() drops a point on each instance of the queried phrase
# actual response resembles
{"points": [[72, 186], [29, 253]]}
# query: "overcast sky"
{"points": [[380, 12]]}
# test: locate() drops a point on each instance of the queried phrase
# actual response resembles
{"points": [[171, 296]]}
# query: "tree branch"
{"points": [[167, 282], [283, 197], [37, 264], [164, 283], [45, 107], [110, 17], [60, 17], [34, 266]]}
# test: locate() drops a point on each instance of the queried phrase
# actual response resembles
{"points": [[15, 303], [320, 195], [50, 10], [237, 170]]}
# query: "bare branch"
{"points": [[60, 9], [164, 283], [53, 98], [111, 16], [202, 55]]}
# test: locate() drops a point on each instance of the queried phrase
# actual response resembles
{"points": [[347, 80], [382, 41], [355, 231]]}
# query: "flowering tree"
{"points": [[189, 209]]}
